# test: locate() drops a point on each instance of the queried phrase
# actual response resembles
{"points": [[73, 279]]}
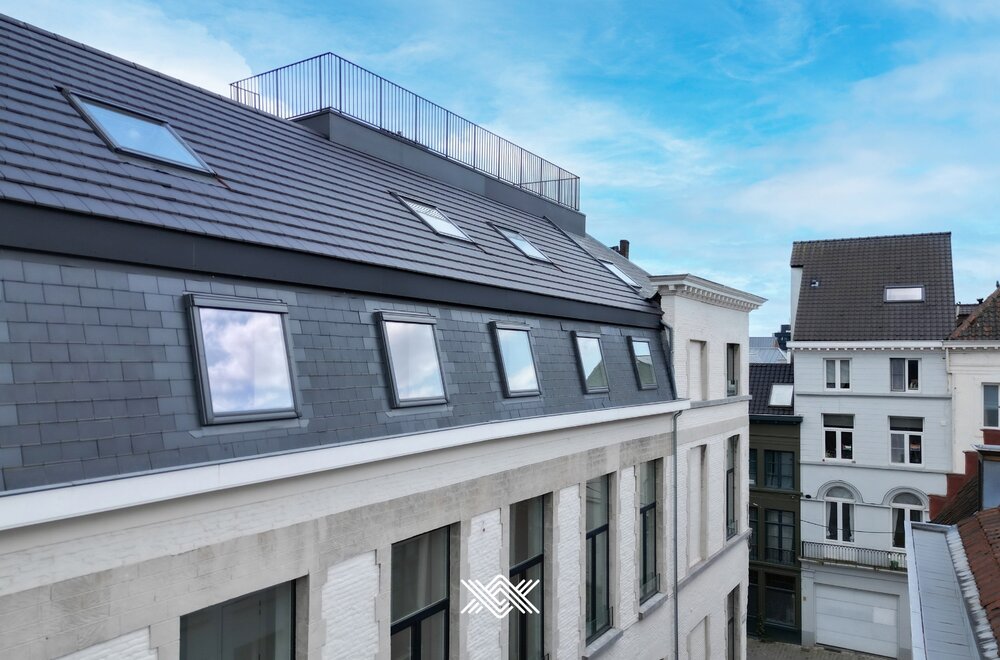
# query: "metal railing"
{"points": [[329, 82], [849, 554]]}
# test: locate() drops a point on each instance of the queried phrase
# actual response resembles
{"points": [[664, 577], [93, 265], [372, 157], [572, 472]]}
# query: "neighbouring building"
{"points": [[774, 601], [769, 350], [869, 316], [279, 373]]}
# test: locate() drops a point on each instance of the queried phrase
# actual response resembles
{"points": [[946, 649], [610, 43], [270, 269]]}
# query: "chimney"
{"points": [[621, 248]]}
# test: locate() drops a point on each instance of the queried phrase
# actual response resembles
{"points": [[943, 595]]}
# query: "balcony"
{"points": [[854, 556], [329, 82]]}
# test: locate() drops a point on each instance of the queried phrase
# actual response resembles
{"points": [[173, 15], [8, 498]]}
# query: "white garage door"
{"points": [[857, 620]]}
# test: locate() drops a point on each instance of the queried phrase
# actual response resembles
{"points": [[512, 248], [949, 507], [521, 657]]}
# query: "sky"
{"points": [[710, 134]]}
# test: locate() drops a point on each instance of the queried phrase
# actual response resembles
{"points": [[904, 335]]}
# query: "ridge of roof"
{"points": [[990, 306]]}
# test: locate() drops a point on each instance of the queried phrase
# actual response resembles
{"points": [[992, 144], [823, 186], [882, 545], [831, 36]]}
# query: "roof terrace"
{"points": [[329, 82]]}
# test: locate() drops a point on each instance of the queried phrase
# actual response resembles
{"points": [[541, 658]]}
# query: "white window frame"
{"points": [[906, 443], [895, 507], [996, 385], [906, 371], [838, 372], [841, 504], [839, 430]]}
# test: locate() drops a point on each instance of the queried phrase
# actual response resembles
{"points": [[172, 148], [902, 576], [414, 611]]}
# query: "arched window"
{"points": [[839, 514], [905, 505]]}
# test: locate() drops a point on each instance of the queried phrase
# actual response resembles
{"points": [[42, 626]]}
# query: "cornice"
{"points": [[706, 291]]}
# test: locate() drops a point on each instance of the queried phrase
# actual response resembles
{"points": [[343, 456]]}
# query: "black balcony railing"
{"points": [[329, 82], [849, 554]]}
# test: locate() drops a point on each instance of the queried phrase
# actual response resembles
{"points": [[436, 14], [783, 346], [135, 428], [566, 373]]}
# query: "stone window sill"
{"points": [[651, 605], [601, 644]]}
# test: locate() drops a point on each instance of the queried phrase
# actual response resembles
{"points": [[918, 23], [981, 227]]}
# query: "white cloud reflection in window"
{"points": [[592, 362], [247, 361], [415, 366], [519, 367]]}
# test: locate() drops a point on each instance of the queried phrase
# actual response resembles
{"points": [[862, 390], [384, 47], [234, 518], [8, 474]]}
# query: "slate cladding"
{"points": [[762, 376], [841, 297]]}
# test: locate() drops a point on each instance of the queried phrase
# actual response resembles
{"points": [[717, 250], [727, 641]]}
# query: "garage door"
{"points": [[857, 620]]}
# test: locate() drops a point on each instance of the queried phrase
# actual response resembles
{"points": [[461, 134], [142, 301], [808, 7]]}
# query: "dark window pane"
{"points": [[401, 643], [753, 532], [847, 511], [831, 521], [831, 444], [913, 374], [415, 366], [525, 631], [898, 528], [897, 375], [518, 364], [648, 581], [258, 625], [916, 452], [846, 444], [598, 603], [419, 572], [906, 423], [831, 374], [991, 405], [597, 502], [246, 360], [845, 374], [526, 529], [779, 599], [779, 469], [838, 421], [897, 448], [752, 596], [434, 637], [753, 467], [134, 133], [647, 482], [592, 362]]}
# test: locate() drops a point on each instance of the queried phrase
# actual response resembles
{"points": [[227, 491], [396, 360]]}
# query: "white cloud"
{"points": [[140, 32]]}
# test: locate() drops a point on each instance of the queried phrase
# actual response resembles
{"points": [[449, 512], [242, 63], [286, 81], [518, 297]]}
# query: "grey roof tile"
{"points": [[762, 377]]}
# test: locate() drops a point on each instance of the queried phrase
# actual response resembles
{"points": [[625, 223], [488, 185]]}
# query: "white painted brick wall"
{"points": [[485, 532], [628, 604], [348, 608], [567, 568], [133, 646]]}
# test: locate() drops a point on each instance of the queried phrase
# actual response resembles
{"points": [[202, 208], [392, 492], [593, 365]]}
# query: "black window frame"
{"points": [[988, 409], [773, 457], [414, 620], [770, 586], [752, 466], [384, 317], [579, 362], [258, 594], [732, 487], [505, 232], [753, 517], [196, 301], [632, 341], [732, 369], [779, 554], [408, 202], [519, 572], [495, 328], [78, 100], [648, 525], [592, 538]]}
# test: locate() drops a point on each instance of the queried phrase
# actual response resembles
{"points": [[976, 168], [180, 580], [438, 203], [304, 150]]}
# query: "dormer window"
{"points": [[590, 359], [904, 293], [620, 274], [523, 244], [517, 362], [436, 220], [414, 364], [132, 132]]}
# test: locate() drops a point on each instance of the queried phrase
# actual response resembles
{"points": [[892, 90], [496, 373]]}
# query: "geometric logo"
{"points": [[500, 596]]}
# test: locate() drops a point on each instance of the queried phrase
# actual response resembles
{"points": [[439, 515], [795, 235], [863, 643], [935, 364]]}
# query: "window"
{"points": [[906, 439], [732, 369], [259, 625], [598, 566], [732, 628], [419, 597], [527, 559], [991, 405], [752, 596], [138, 134], [781, 395], [523, 244], [904, 293], [838, 374], [242, 350], [517, 362], [752, 467], [904, 375], [591, 362], [642, 358], [839, 436], [435, 219], [779, 469], [413, 361], [839, 514], [779, 599], [732, 454], [753, 531], [620, 274], [649, 579], [779, 537], [904, 505]]}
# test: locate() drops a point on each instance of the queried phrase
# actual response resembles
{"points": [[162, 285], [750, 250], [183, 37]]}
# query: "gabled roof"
{"points": [[762, 377], [278, 184], [842, 294], [983, 323], [981, 538]]}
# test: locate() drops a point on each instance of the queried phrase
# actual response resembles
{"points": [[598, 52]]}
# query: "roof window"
{"points": [[620, 274], [138, 134], [523, 244], [436, 220], [904, 293], [781, 395]]}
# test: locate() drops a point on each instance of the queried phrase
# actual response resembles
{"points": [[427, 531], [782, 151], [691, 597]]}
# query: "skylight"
{"points": [[523, 244], [131, 132], [781, 395], [436, 220], [620, 274], [904, 293]]}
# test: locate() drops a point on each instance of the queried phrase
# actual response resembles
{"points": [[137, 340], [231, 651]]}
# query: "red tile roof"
{"points": [[984, 322], [981, 538]]}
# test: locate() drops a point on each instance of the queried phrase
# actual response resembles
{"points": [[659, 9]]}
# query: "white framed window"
{"points": [[412, 359], [839, 514], [838, 436], [242, 348], [838, 374], [905, 506], [906, 440], [991, 406], [904, 374], [904, 293]]}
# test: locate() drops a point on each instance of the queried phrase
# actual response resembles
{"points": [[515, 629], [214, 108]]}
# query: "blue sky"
{"points": [[710, 134]]}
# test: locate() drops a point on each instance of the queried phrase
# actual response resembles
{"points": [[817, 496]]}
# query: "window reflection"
{"points": [[592, 363], [518, 364], [416, 370]]}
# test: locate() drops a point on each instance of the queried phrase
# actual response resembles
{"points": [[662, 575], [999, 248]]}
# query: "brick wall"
{"points": [[483, 552], [567, 562], [348, 608], [133, 646]]}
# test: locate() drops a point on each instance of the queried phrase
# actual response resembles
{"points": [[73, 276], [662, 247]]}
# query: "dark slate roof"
{"points": [[279, 184], [981, 538], [762, 376], [983, 323], [602, 252], [852, 273], [765, 350]]}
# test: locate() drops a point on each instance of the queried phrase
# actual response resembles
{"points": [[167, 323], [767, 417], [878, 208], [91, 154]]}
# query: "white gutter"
{"points": [[82, 499], [865, 345]]}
